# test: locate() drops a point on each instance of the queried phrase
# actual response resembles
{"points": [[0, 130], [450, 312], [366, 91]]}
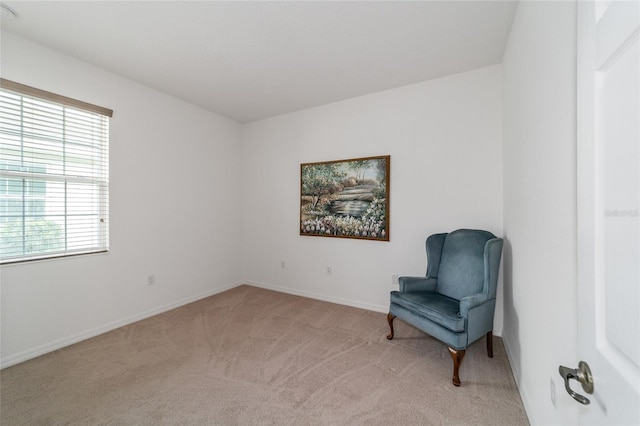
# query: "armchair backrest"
{"points": [[464, 262]]}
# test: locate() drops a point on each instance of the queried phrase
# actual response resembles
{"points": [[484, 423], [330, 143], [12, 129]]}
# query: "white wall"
{"points": [[174, 199], [540, 328], [445, 141]]}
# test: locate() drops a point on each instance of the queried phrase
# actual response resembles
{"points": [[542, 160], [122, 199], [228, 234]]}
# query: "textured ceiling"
{"points": [[253, 60]]}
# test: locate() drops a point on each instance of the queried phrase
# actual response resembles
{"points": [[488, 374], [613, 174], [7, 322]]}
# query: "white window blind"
{"points": [[54, 175]]}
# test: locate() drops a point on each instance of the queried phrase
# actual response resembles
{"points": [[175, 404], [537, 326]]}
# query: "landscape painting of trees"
{"points": [[346, 198]]}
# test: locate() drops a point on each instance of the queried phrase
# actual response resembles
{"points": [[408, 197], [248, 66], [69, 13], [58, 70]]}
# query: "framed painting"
{"points": [[346, 198]]}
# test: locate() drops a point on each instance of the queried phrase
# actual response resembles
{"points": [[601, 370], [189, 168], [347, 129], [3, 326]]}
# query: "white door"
{"points": [[608, 209]]}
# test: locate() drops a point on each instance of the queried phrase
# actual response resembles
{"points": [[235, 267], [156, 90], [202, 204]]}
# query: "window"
{"points": [[54, 175]]}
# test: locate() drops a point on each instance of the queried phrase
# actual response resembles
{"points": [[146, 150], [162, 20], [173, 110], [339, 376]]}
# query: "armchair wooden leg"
{"points": [[490, 344], [390, 318], [457, 357]]}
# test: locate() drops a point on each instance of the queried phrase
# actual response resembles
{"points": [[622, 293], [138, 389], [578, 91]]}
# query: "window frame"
{"points": [[98, 182]]}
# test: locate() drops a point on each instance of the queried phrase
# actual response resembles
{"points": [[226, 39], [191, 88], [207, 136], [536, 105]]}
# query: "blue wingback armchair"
{"points": [[456, 300]]}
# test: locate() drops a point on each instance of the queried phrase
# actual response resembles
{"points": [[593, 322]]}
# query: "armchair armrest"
{"points": [[469, 302], [411, 284]]}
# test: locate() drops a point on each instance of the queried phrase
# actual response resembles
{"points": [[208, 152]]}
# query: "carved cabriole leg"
{"points": [[457, 357], [490, 344], [390, 318]]}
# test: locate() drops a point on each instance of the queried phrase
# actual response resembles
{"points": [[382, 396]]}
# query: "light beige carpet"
{"points": [[250, 356]]}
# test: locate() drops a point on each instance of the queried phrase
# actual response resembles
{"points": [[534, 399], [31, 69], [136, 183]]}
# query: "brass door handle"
{"points": [[581, 374]]}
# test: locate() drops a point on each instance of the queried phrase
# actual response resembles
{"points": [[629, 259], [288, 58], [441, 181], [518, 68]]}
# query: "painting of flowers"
{"points": [[346, 198]]}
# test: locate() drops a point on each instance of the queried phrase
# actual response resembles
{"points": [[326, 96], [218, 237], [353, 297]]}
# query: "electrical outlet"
{"points": [[328, 270], [151, 280], [394, 279], [553, 392]]}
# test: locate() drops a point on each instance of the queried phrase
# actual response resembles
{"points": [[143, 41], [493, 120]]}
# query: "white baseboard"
{"points": [[516, 375], [70, 340], [356, 304], [353, 303]]}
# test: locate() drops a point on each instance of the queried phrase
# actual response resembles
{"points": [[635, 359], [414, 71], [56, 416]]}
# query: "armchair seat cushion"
{"points": [[436, 307]]}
